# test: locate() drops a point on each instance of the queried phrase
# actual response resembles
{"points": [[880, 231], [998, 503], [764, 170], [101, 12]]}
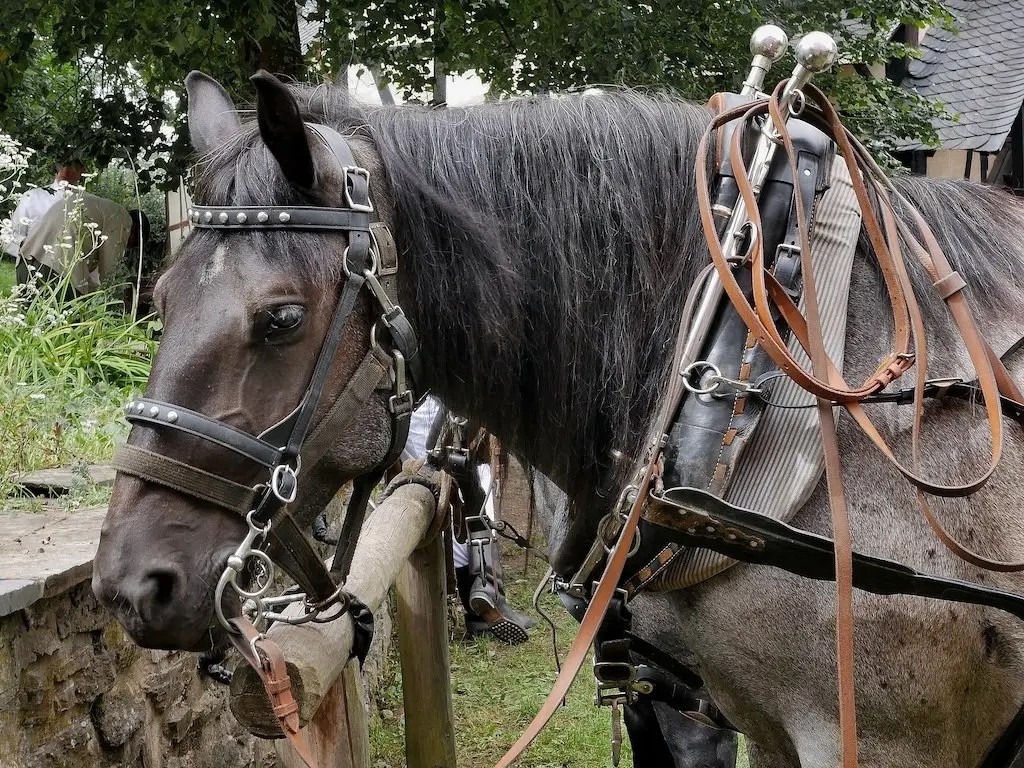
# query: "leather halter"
{"points": [[370, 259]]}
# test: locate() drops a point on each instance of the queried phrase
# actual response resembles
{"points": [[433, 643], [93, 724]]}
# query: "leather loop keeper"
{"points": [[948, 285]]}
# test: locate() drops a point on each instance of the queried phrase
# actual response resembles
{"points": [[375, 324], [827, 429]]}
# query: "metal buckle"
{"points": [[401, 403], [280, 471], [355, 170]]}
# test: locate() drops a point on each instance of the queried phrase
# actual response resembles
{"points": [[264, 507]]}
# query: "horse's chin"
{"points": [[192, 637]]}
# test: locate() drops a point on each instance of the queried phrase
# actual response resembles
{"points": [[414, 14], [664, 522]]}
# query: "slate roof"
{"points": [[977, 71]]}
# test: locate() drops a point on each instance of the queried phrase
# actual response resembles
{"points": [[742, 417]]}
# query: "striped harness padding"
{"points": [[783, 461]]}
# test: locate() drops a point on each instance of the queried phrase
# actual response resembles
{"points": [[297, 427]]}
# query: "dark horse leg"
{"points": [[661, 737]]}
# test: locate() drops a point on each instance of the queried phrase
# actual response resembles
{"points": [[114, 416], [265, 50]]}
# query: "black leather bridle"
{"points": [[370, 261]]}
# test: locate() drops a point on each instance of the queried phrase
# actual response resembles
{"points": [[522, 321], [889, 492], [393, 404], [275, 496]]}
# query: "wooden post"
{"points": [[318, 653], [423, 647], [338, 735]]}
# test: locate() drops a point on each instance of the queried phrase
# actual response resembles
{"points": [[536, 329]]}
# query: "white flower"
{"points": [[37, 396]]}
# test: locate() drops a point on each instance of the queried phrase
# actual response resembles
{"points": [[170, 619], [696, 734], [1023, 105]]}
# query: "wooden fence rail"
{"points": [[327, 685]]}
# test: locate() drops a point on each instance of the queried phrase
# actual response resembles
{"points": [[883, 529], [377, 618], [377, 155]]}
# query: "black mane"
{"points": [[548, 244]]}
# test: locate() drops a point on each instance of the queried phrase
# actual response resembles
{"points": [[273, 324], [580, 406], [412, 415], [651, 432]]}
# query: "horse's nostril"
{"points": [[165, 581], [159, 587]]}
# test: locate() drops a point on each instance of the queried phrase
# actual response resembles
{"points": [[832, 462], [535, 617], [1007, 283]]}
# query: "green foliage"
{"points": [[7, 277], [117, 65], [97, 77], [82, 110], [697, 49], [67, 364]]}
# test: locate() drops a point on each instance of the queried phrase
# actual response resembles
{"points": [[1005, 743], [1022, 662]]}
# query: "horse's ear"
{"points": [[212, 116], [282, 129]]}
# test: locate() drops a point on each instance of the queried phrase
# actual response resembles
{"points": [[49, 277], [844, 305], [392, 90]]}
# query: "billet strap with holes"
{"points": [[266, 659]]}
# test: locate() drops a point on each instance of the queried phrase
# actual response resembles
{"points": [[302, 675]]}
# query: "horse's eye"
{"points": [[281, 321]]}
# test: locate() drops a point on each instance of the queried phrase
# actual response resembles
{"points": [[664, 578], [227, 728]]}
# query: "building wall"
{"points": [[950, 164]]}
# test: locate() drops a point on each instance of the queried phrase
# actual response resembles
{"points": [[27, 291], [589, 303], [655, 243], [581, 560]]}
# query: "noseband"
{"points": [[370, 260]]}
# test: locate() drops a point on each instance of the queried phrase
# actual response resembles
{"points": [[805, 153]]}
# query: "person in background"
{"points": [[85, 234], [478, 573], [36, 202]]}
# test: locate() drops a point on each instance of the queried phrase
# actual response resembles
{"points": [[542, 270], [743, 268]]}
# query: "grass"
{"points": [[497, 689], [7, 276], [67, 366]]}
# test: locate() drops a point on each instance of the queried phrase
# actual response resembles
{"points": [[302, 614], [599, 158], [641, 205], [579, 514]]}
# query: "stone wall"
{"points": [[76, 692]]}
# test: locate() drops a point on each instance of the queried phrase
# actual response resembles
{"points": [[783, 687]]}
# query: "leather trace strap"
{"points": [[824, 380]]}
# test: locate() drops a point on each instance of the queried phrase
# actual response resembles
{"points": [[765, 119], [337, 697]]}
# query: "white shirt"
{"points": [[31, 208], [63, 223]]}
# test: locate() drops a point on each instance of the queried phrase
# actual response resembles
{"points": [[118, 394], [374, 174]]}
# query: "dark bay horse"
{"points": [[546, 247]]}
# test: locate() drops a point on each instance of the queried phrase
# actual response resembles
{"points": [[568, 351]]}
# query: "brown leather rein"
{"points": [[822, 380]]}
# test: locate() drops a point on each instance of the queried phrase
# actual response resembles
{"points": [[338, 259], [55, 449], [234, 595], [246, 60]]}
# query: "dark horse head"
{"points": [[245, 314], [545, 247]]}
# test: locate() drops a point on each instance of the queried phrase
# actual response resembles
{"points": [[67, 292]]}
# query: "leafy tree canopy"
{"points": [[98, 77]]}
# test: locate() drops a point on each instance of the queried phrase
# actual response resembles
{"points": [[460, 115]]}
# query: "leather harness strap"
{"points": [[266, 659], [824, 380]]}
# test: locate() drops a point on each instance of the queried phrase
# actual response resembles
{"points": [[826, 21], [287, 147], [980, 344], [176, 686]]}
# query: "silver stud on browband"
{"points": [[223, 218], [262, 216], [284, 217], [154, 411], [128, 408], [172, 416], [139, 407], [208, 217], [240, 217]]}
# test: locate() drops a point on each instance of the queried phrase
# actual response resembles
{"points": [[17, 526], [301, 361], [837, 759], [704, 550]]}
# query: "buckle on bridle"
{"points": [[285, 482], [362, 173]]}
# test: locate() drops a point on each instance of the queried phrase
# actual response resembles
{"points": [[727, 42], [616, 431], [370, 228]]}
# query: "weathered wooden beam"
{"points": [[318, 653], [423, 647]]}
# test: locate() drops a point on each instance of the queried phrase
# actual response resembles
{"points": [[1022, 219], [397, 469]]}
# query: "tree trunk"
{"points": [[279, 53]]}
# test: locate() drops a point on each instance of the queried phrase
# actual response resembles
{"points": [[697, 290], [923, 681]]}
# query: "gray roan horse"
{"points": [[546, 248]]}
